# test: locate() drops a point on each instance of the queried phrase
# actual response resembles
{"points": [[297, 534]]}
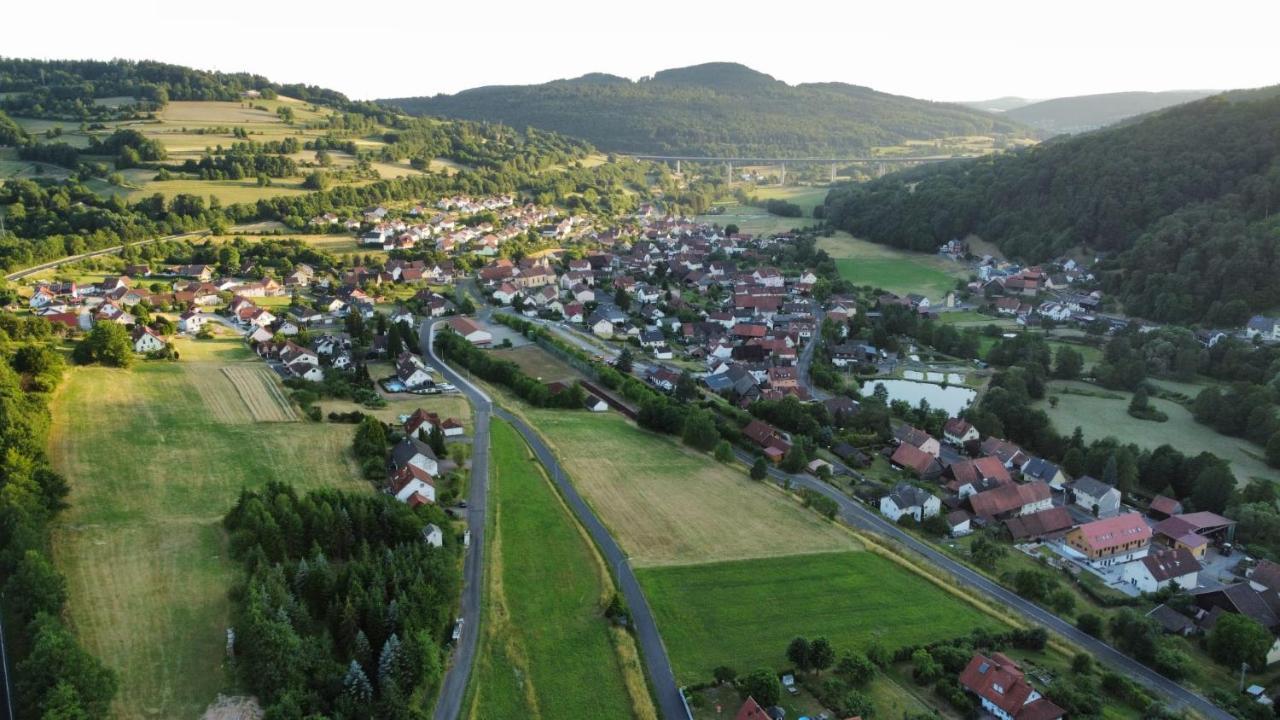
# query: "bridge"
{"points": [[835, 162]]}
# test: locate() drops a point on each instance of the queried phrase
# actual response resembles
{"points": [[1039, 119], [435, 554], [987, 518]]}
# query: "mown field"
{"points": [[547, 650], [155, 455], [743, 613], [1099, 416], [538, 363], [666, 504], [898, 271], [755, 220]]}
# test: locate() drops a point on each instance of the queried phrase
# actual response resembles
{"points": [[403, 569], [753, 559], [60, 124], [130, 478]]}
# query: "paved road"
{"points": [[454, 689], [860, 516], [96, 253], [805, 360], [654, 652], [657, 663]]}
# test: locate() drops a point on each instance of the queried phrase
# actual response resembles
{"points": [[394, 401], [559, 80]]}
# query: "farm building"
{"points": [[470, 331]]}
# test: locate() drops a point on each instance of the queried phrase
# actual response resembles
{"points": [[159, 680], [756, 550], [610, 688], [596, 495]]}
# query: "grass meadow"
{"points": [[743, 613], [898, 271], [1099, 416], [155, 456], [666, 504], [547, 650]]}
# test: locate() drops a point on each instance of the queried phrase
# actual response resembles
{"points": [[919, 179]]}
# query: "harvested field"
{"points": [[261, 393]]}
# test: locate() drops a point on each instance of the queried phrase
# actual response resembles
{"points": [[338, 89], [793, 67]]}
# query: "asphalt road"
{"points": [[96, 253], [805, 361], [454, 689], [657, 663], [860, 516]]}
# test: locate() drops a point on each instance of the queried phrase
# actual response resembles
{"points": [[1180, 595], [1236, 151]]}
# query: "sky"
{"points": [[933, 50]]}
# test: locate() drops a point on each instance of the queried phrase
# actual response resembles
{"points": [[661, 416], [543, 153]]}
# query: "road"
{"points": [[654, 652], [805, 361], [454, 689], [18, 275], [860, 516]]}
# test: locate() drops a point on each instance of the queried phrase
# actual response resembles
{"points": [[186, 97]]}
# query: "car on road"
{"points": [[457, 630], [446, 387]]}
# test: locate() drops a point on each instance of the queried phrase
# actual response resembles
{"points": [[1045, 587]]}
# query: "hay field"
{"points": [[153, 463], [898, 271], [668, 505]]}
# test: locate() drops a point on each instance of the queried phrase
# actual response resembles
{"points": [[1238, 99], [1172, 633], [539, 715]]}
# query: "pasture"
{"points": [[743, 613], [667, 504], [545, 637], [1099, 416], [538, 363], [897, 271], [155, 456], [755, 220]]}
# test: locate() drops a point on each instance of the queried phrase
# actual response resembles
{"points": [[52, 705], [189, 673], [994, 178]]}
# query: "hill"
{"points": [[1181, 202], [997, 105], [1089, 112], [716, 109]]}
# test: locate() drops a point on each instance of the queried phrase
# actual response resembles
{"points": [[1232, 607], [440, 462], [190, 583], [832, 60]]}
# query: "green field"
{"points": [[755, 220], [898, 271], [1103, 416], [155, 455], [667, 504], [743, 613], [547, 650]]}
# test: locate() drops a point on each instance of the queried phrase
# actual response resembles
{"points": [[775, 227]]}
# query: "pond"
{"points": [[952, 398]]}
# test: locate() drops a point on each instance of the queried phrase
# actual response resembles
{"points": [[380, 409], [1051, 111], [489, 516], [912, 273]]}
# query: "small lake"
{"points": [[952, 398]]}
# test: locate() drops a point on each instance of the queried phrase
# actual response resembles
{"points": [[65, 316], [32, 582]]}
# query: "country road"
{"points": [[19, 274], [654, 652], [860, 516], [454, 688]]}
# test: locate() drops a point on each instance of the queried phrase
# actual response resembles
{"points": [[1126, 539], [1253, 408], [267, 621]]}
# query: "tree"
{"points": [[1273, 450], [317, 180], [686, 388], [36, 587], [700, 430], [228, 259], [855, 668], [107, 343], [1237, 639], [799, 652], [759, 469], [625, 361], [724, 674], [763, 685], [622, 299], [724, 451], [356, 684], [435, 438], [821, 654], [1213, 487], [795, 459], [371, 438], [1067, 363]]}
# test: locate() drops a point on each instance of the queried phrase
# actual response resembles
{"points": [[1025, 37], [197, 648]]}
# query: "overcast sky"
{"points": [[934, 50]]}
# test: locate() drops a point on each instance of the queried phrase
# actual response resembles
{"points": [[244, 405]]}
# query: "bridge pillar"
{"points": [[783, 180], [728, 172], [677, 167], [833, 172]]}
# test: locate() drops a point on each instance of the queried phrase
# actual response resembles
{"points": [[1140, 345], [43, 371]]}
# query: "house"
{"points": [[909, 500], [191, 321], [1003, 690], [595, 404], [146, 340], [1171, 621], [1009, 453], [470, 330], [1039, 525], [1260, 326], [917, 438], [751, 710], [959, 523], [1240, 598], [1161, 568], [1118, 539], [958, 432], [1045, 471], [1194, 531], [411, 451], [411, 371], [421, 423], [1094, 496], [1164, 507], [974, 476], [916, 461], [305, 371], [1012, 500], [412, 484], [506, 293], [432, 535]]}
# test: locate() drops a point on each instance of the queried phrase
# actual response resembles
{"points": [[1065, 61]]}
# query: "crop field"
{"points": [[538, 363], [1102, 416], [153, 467], [546, 640], [898, 271], [667, 504], [743, 613], [260, 391]]}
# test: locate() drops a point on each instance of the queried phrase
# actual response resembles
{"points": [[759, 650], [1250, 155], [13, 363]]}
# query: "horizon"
{"points": [[1178, 50]]}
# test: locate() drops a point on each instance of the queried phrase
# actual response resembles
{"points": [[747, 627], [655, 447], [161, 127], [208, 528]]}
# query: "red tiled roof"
{"points": [[1008, 498], [912, 458], [1112, 532], [751, 710]]}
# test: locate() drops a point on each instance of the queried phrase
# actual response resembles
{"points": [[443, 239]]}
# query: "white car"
{"points": [[457, 630]]}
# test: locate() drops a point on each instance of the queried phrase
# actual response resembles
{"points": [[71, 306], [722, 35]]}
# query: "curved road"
{"points": [[454, 689], [654, 653], [860, 516]]}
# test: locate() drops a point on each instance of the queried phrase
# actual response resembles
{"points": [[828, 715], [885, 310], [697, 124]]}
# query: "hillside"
{"points": [[716, 109], [1089, 112], [997, 105], [1182, 203]]}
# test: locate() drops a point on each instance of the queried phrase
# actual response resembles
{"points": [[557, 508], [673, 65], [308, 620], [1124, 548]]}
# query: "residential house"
{"points": [[146, 340], [916, 461], [909, 500], [1011, 500], [917, 438], [1118, 539], [1161, 568], [432, 535], [411, 371], [411, 451], [1095, 496], [1051, 522], [1003, 690], [1043, 470], [957, 432], [969, 477], [191, 321]]}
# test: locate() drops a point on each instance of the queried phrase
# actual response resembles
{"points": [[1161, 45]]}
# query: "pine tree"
{"points": [[356, 683], [390, 662]]}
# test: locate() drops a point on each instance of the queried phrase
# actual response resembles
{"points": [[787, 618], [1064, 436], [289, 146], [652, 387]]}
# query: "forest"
{"points": [[716, 109], [344, 607], [1179, 205]]}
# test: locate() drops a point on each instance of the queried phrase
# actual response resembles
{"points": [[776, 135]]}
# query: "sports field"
{"points": [[1099, 417], [666, 504], [898, 271], [743, 613], [155, 456], [547, 650]]}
